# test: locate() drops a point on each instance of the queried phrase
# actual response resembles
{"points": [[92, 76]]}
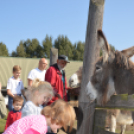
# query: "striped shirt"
{"points": [[35, 122]]}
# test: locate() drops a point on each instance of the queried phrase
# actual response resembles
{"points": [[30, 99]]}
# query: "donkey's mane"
{"points": [[122, 61]]}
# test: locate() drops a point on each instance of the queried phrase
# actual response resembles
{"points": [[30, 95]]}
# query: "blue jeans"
{"points": [[10, 102]]}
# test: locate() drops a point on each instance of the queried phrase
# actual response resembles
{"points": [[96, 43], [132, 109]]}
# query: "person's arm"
{"points": [[23, 90], [30, 77], [29, 82], [9, 87], [50, 77], [10, 93], [23, 93]]}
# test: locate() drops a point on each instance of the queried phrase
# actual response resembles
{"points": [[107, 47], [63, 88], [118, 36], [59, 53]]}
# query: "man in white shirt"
{"points": [[38, 72]]}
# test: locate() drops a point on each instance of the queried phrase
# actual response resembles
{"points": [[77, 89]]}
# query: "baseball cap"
{"points": [[63, 57]]}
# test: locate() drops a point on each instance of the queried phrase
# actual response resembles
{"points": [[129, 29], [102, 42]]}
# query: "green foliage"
{"points": [[33, 49], [3, 50], [64, 46], [47, 44], [111, 47], [20, 50], [78, 51]]}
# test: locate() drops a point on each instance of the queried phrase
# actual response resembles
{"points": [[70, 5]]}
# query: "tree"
{"points": [[13, 54], [64, 46], [20, 51], [111, 47], [78, 51], [3, 50], [47, 44], [33, 49]]}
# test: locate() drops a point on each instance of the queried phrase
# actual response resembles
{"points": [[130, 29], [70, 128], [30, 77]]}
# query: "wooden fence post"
{"points": [[53, 56], [91, 53]]}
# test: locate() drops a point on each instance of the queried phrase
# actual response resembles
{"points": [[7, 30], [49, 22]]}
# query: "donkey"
{"points": [[113, 73]]}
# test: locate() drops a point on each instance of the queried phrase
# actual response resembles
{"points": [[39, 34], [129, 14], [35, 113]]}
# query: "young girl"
{"points": [[58, 114], [41, 92]]}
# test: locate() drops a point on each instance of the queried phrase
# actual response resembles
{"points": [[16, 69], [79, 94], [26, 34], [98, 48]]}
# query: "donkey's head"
{"points": [[75, 79], [113, 72]]}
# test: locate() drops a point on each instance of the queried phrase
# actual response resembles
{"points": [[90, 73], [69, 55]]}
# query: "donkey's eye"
{"points": [[98, 68]]}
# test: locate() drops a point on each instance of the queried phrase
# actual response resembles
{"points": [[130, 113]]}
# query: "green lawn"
{"points": [[2, 125]]}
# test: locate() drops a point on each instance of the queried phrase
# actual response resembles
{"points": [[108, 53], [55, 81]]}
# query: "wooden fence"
{"points": [[123, 102]]}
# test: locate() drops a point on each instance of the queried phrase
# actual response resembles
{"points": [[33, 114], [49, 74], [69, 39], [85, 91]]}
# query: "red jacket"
{"points": [[54, 77], [12, 117]]}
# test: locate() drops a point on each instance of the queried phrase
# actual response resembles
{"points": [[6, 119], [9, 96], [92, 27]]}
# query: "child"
{"points": [[58, 114], [14, 86], [15, 114], [41, 92]]}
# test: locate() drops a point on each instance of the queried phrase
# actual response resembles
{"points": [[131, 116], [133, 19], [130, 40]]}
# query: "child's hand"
{"points": [[15, 95], [54, 130], [54, 127]]}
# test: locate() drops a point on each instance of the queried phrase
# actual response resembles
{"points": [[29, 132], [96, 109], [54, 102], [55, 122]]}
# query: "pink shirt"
{"points": [[36, 123]]}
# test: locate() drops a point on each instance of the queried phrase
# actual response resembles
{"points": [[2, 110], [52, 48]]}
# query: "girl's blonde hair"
{"points": [[60, 113], [41, 86]]}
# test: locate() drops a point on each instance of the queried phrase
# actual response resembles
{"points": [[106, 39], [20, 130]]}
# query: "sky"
{"points": [[20, 20]]}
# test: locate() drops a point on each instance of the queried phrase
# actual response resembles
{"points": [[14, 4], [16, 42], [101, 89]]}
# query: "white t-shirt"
{"points": [[15, 85], [31, 109], [36, 73]]}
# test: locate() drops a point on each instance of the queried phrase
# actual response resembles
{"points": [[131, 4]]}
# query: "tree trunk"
{"points": [[91, 53], [53, 56]]}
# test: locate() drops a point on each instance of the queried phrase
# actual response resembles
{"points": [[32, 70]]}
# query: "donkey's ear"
{"points": [[128, 52], [103, 45]]}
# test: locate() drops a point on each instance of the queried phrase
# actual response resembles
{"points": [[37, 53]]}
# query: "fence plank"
{"points": [[123, 100], [53, 55], [98, 130], [103, 119]]}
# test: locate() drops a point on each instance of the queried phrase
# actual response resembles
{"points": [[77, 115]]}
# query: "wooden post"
{"points": [[91, 53], [53, 56]]}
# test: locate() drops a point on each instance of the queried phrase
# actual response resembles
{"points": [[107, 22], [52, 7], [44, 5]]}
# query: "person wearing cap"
{"points": [[55, 75]]}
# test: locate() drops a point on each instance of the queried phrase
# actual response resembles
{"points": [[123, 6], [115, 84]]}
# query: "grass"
{"points": [[129, 129], [2, 125]]}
